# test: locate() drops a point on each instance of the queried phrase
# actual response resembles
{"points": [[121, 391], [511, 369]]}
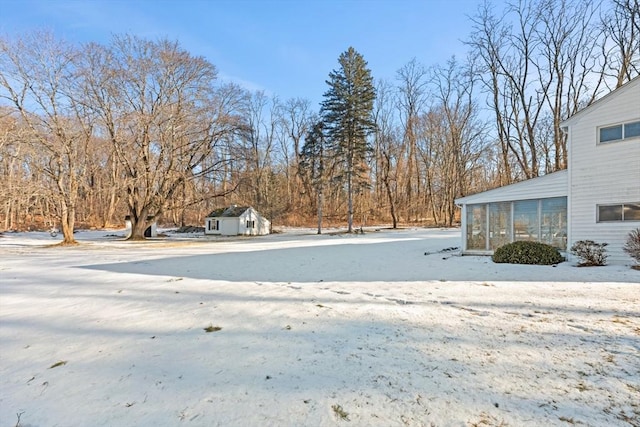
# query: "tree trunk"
{"points": [[320, 202], [138, 226], [67, 222], [350, 203]]}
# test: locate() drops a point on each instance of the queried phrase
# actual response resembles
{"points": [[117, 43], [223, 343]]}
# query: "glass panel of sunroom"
{"points": [[525, 220], [499, 224], [476, 227], [553, 222]]}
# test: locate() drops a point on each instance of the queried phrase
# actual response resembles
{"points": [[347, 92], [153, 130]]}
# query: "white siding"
{"points": [[237, 225], [261, 226], [229, 226], [603, 173], [551, 185]]}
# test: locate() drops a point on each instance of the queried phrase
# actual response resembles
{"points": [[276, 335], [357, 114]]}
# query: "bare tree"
{"points": [[622, 50], [39, 78], [462, 137], [165, 118], [540, 61], [295, 120], [388, 148], [262, 123], [412, 88], [16, 190]]}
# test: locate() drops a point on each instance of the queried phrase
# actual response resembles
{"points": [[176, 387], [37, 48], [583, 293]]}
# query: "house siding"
{"points": [[237, 223], [604, 173], [597, 174], [229, 226]]}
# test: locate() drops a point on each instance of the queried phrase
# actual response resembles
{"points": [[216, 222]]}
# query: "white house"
{"points": [[236, 220], [596, 198]]}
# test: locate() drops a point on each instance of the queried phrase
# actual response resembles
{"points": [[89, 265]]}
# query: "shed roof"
{"points": [[555, 184], [230, 212]]}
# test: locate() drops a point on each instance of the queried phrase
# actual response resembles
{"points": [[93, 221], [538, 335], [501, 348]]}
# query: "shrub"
{"points": [[526, 252], [591, 253], [632, 246]]}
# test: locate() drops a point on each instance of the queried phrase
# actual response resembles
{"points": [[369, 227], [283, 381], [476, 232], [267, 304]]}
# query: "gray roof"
{"points": [[230, 212]]}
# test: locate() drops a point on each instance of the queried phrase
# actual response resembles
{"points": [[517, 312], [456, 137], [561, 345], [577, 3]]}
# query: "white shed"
{"points": [[596, 198], [236, 220]]}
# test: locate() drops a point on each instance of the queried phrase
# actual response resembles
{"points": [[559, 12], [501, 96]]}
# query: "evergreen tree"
{"points": [[347, 115], [312, 163]]}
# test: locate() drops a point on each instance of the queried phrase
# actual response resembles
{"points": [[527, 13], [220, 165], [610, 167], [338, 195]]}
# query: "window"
{"points": [[631, 212], [553, 222], [631, 130], [499, 224], [476, 227], [525, 220], [214, 225], [491, 225], [619, 212], [619, 132], [251, 224]]}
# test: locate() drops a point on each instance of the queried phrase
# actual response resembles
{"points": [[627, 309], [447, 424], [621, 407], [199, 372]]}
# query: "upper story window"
{"points": [[619, 212], [619, 132]]}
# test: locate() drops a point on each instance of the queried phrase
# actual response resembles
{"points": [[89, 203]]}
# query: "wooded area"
{"points": [[91, 133]]}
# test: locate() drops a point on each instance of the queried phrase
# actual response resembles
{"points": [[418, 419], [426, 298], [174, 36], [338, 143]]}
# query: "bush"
{"points": [[590, 252], [632, 246], [527, 253]]}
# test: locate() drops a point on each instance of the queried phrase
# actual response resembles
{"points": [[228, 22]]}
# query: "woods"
{"points": [[146, 129]]}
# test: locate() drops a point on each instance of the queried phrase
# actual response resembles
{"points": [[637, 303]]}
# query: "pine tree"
{"points": [[312, 162], [347, 114]]}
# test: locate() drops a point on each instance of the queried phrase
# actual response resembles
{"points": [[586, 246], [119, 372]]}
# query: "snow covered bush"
{"points": [[632, 246], [590, 252], [526, 252]]}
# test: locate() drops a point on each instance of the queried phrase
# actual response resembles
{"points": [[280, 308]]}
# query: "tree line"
{"points": [[143, 128]]}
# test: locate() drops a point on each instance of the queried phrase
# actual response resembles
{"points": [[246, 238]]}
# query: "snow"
{"points": [[382, 329]]}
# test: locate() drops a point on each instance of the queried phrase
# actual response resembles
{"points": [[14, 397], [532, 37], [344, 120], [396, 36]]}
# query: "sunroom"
{"points": [[534, 210]]}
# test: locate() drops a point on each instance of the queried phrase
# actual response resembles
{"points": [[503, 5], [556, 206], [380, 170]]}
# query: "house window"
{"points": [[553, 222], [631, 130], [525, 220], [251, 224], [619, 212], [499, 224], [619, 132], [477, 227], [214, 225]]}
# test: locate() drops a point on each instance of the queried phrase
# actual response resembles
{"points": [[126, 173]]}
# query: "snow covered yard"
{"points": [[381, 329]]}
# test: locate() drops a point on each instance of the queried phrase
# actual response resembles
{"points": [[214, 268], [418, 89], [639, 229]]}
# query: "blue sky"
{"points": [[285, 47]]}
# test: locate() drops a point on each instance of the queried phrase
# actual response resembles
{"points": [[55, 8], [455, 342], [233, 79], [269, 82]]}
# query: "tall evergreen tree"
{"points": [[347, 114], [312, 163]]}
